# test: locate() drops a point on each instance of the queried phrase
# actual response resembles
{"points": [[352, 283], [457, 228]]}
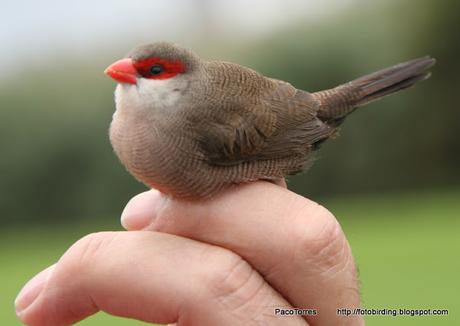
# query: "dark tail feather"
{"points": [[338, 102]]}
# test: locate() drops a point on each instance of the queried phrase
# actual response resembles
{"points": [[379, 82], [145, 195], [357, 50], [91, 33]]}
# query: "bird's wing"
{"points": [[282, 123], [299, 130], [239, 138]]}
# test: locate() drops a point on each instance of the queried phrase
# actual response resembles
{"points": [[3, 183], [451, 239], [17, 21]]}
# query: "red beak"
{"points": [[122, 71]]}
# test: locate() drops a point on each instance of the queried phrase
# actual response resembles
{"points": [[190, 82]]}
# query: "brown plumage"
{"points": [[190, 127]]}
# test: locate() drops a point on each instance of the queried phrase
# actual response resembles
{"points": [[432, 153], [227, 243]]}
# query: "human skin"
{"points": [[228, 260]]}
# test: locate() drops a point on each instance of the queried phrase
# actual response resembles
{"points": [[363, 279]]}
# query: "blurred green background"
{"points": [[392, 178]]}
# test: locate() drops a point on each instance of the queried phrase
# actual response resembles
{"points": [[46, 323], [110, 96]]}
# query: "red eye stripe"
{"points": [[171, 68]]}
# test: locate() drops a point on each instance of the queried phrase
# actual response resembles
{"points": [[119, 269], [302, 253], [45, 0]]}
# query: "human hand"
{"points": [[230, 260]]}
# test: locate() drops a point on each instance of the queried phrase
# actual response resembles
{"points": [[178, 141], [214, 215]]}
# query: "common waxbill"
{"points": [[190, 127]]}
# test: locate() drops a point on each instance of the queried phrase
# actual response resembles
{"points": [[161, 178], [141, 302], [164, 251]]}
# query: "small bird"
{"points": [[190, 127]]}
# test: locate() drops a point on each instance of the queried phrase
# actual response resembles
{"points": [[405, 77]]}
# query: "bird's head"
{"points": [[156, 75], [156, 61]]}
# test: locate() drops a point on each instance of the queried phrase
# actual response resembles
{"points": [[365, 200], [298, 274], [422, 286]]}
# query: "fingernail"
{"points": [[32, 289], [141, 210]]}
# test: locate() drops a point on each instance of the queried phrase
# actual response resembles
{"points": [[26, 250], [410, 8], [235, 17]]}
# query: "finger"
{"points": [[140, 209], [152, 277], [296, 244], [280, 182]]}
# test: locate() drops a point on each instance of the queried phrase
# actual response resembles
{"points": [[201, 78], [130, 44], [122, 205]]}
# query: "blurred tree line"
{"points": [[57, 163]]}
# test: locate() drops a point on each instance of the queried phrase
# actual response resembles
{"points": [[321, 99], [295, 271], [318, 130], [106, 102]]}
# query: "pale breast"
{"points": [[154, 146]]}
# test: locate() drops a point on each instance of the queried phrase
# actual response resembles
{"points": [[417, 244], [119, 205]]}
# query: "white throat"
{"points": [[149, 94]]}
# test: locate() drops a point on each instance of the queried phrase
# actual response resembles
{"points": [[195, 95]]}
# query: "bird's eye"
{"points": [[156, 69]]}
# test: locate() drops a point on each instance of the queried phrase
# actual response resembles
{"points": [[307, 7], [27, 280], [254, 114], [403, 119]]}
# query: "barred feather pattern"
{"points": [[231, 124]]}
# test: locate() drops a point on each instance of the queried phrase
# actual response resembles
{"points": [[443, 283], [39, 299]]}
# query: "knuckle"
{"points": [[235, 283], [87, 250], [321, 242], [230, 276]]}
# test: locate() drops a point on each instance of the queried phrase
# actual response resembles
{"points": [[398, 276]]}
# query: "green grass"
{"points": [[407, 248]]}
